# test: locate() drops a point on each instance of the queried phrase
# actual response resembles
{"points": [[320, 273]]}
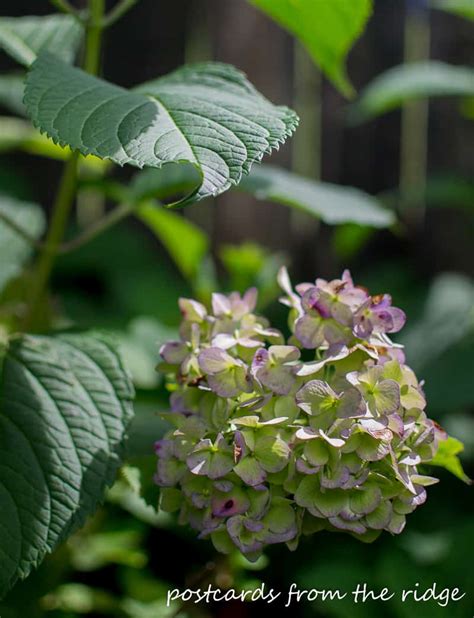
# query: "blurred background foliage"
{"points": [[406, 140]]}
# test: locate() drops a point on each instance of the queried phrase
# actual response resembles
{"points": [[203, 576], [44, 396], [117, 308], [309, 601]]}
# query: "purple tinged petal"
{"points": [[174, 352], [337, 479], [224, 341], [351, 526], [304, 468], [192, 310], [220, 305], [310, 331], [214, 360]]}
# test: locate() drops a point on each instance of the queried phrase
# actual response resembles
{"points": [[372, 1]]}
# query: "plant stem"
{"points": [[93, 36], [414, 127], [67, 187], [117, 12]]}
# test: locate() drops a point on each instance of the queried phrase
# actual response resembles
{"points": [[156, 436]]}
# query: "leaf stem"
{"points": [[27, 237], [66, 7], [117, 12], [67, 187]]}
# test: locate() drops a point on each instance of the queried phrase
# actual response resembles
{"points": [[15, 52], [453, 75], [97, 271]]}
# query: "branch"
{"points": [[117, 12], [113, 217], [110, 219]]}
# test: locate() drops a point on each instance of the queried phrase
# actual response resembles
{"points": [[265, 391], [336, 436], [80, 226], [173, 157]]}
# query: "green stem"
{"points": [[67, 187], [93, 36]]}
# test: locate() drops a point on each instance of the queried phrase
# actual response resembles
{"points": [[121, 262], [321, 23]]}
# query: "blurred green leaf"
{"points": [[448, 317], [350, 239], [249, 265], [139, 347], [14, 250], [12, 86], [186, 243], [326, 29], [23, 38], [65, 404], [80, 599], [130, 498], [332, 204], [90, 552], [463, 8], [417, 80], [166, 184], [447, 457]]}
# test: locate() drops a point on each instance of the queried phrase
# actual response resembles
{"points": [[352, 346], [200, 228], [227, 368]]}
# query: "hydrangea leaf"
{"points": [[65, 404], [333, 204], [14, 250], [326, 29], [23, 38], [447, 457], [206, 114]]}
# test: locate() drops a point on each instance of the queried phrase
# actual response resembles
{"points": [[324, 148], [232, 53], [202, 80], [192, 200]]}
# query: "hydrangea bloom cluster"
{"points": [[272, 439]]}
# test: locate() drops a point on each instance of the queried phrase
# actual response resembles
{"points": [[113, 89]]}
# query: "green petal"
{"points": [[366, 499], [250, 471], [380, 517], [272, 453], [316, 452]]}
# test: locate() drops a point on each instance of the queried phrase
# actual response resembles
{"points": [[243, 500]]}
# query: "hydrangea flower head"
{"points": [[265, 446]]}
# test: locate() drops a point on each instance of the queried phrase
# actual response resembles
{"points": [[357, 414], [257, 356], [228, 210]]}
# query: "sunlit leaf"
{"points": [[326, 29], [332, 204], [206, 114], [463, 8], [447, 457]]}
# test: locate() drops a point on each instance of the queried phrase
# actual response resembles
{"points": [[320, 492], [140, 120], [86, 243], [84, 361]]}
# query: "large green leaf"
{"points": [[14, 250], [327, 29], [24, 38], [206, 114], [65, 403], [463, 8], [447, 457], [332, 204], [412, 81]]}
